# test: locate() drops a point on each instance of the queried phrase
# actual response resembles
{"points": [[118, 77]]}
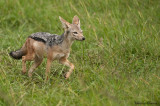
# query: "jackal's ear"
{"points": [[76, 20], [64, 23]]}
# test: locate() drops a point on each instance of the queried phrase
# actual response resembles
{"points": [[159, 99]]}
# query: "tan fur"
{"points": [[36, 50]]}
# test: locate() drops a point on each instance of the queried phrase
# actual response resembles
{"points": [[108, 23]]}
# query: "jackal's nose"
{"points": [[83, 38]]}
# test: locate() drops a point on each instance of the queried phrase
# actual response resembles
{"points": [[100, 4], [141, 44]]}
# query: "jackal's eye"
{"points": [[75, 33]]}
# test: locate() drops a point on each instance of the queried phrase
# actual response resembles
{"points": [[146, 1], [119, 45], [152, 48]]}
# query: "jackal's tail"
{"points": [[18, 53]]}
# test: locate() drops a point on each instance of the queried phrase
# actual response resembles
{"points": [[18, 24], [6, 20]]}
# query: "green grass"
{"points": [[117, 64]]}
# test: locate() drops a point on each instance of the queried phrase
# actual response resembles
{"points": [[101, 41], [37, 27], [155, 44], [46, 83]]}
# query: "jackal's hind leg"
{"points": [[69, 64], [24, 59], [37, 62]]}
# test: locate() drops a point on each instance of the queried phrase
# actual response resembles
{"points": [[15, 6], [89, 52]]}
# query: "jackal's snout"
{"points": [[80, 37]]}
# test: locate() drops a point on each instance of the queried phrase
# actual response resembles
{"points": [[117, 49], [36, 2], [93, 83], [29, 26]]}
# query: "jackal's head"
{"points": [[73, 30]]}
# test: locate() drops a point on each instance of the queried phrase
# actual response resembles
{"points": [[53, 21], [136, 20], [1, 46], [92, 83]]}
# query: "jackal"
{"points": [[54, 47]]}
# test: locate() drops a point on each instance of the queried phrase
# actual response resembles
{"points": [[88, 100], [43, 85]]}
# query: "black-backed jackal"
{"points": [[54, 47]]}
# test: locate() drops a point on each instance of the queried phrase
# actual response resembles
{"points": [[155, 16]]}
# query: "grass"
{"points": [[117, 64]]}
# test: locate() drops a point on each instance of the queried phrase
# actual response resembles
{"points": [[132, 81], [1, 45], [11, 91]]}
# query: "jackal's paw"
{"points": [[47, 77], [30, 74], [67, 75], [23, 72]]}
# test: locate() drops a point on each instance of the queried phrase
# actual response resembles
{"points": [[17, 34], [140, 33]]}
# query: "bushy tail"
{"points": [[17, 54]]}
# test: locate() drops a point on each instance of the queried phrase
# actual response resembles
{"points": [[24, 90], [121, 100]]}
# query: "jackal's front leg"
{"points": [[69, 64], [49, 61]]}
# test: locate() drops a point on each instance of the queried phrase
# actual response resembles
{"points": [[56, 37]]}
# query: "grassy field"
{"points": [[117, 64]]}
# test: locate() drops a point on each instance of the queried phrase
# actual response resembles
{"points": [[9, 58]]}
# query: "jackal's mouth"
{"points": [[80, 39]]}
